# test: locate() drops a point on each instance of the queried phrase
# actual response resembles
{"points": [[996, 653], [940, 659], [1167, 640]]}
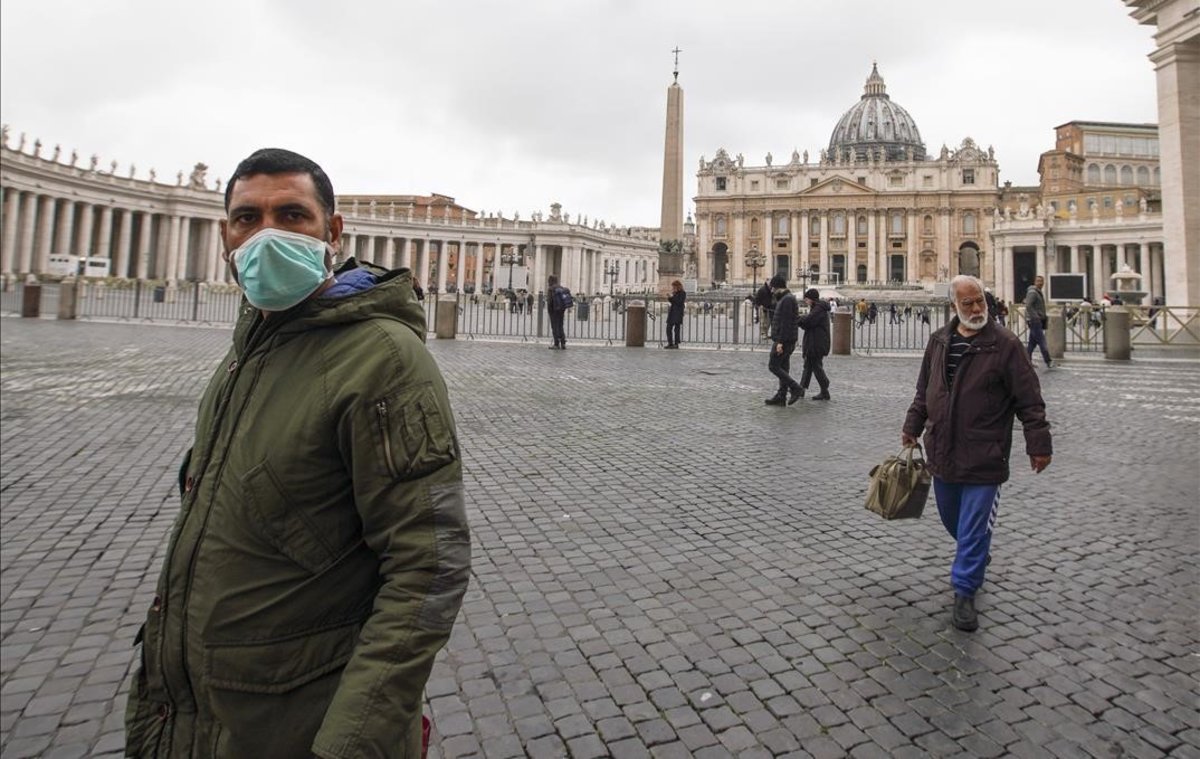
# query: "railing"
{"points": [[717, 318]]}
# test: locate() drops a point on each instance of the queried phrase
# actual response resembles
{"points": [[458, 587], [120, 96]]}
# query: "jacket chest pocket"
{"points": [[415, 432], [283, 522]]}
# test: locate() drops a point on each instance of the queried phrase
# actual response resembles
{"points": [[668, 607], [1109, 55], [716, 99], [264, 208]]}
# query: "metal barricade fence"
{"points": [[897, 327]]}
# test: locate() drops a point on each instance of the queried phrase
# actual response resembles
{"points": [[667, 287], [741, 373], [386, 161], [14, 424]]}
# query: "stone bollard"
{"points": [[31, 299], [1056, 334], [446, 318], [1116, 334], [68, 298], [635, 324], [843, 327]]}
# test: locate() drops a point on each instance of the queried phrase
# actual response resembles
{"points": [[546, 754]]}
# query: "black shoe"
{"points": [[796, 394], [562, 347], [821, 396], [965, 618], [776, 400]]}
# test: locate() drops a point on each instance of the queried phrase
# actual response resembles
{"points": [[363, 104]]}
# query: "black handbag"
{"points": [[900, 485]]}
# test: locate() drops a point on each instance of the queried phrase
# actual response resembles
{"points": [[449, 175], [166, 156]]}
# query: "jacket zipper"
{"points": [[381, 410]]}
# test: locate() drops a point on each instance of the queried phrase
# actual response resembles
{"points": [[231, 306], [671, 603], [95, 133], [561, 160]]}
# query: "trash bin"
{"points": [[581, 310], [160, 294]]}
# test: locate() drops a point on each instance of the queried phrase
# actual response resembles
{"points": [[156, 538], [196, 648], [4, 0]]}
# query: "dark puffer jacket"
{"points": [[783, 322], [816, 330], [968, 426]]}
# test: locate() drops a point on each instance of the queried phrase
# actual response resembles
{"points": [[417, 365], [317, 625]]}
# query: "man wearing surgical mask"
{"points": [[321, 550]]}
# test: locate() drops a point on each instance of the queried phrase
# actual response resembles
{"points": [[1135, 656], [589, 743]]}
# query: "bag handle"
{"points": [[909, 449]]}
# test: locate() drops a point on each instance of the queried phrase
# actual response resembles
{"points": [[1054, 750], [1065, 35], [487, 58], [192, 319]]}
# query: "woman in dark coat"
{"points": [[815, 346], [675, 314]]}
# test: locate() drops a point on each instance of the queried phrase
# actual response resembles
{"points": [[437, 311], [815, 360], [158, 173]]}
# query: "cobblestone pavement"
{"points": [[663, 566]]}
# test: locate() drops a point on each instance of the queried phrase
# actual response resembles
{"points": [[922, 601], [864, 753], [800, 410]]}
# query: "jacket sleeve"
{"points": [[1026, 393], [914, 421], [402, 452]]}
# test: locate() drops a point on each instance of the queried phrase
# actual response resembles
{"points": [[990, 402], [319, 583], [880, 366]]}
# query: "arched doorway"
{"points": [[968, 259], [720, 262]]}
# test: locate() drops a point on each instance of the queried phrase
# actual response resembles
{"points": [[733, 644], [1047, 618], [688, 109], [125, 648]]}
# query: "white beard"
{"points": [[975, 324]]}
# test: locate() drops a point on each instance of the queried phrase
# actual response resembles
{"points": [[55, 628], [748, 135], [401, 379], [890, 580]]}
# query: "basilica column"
{"points": [[212, 252], [851, 245], [12, 205], [912, 269], [45, 235], [104, 241], [872, 247], [943, 246], [25, 252], [183, 254], [479, 267], [824, 240], [796, 254], [124, 244], [737, 251], [172, 250], [804, 242], [142, 253], [443, 265], [421, 271], [86, 225], [64, 241], [406, 253]]}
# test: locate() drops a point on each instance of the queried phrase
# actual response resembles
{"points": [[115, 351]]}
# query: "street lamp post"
{"points": [[510, 260], [611, 271], [755, 261]]}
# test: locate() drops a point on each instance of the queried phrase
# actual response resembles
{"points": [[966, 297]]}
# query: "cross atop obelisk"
{"points": [[676, 51]]}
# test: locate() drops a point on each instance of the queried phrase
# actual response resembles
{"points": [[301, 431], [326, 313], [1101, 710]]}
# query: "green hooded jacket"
{"points": [[321, 550]]}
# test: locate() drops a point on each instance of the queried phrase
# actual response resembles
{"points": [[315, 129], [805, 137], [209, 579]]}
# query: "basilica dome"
{"points": [[876, 122]]}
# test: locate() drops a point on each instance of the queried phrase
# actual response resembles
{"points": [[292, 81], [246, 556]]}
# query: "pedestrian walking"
{"points": [[321, 549], [872, 313], [784, 334], [764, 303], [815, 346], [675, 313], [971, 384], [893, 315], [1035, 319]]}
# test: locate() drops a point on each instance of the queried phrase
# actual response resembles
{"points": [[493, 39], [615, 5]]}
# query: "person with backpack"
{"points": [[815, 345], [558, 300]]}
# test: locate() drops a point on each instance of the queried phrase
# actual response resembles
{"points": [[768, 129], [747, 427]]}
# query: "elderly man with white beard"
{"points": [[975, 377]]}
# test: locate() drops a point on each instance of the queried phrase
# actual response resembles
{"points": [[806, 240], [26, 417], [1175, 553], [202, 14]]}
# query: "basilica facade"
{"points": [[872, 208]]}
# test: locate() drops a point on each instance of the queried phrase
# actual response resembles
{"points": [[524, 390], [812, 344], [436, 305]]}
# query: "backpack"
{"points": [[563, 299]]}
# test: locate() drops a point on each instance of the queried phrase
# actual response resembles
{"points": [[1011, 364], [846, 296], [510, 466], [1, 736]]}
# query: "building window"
{"points": [[814, 225], [1126, 175], [781, 228], [968, 176], [1110, 174], [720, 184], [754, 185], [927, 225], [862, 225], [720, 223], [1157, 177], [754, 227], [897, 223], [839, 225], [1093, 174], [781, 184], [812, 182], [896, 180], [1108, 201], [968, 223], [927, 180], [862, 180], [1143, 175]]}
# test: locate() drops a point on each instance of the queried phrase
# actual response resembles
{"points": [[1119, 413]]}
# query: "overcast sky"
{"points": [[509, 106]]}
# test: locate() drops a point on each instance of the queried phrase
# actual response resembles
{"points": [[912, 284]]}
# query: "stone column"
{"points": [[45, 234], [443, 265], [212, 251], [479, 267], [1041, 257], [124, 245], [405, 253], [104, 242], [8, 248], [25, 251], [87, 219], [851, 246], [804, 241], [172, 251], [872, 247], [185, 247], [64, 241], [797, 255], [912, 265], [737, 251], [1106, 270], [944, 246], [142, 252], [824, 240], [539, 267]]}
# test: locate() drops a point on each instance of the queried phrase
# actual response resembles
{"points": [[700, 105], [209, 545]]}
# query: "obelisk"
{"points": [[670, 264]]}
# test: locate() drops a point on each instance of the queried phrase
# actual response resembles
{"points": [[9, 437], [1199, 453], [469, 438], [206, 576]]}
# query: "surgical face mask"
{"points": [[278, 269]]}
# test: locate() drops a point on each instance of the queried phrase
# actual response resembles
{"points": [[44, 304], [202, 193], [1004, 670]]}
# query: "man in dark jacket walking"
{"points": [[815, 346], [784, 334], [675, 313], [1035, 319], [972, 383]]}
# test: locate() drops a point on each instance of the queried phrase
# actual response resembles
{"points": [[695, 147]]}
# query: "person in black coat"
{"points": [[783, 335], [764, 305], [675, 313], [816, 343]]}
